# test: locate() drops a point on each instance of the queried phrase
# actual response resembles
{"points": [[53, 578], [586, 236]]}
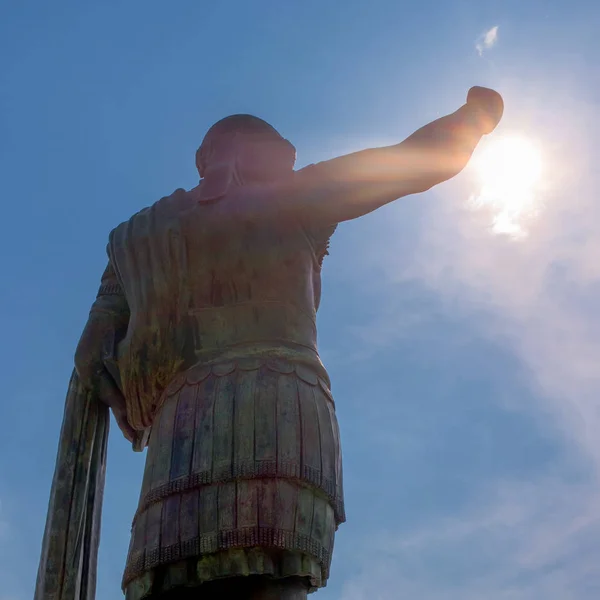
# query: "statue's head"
{"points": [[242, 149]]}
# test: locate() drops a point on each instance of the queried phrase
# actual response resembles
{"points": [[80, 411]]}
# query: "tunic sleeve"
{"points": [[320, 238], [319, 231], [111, 298]]}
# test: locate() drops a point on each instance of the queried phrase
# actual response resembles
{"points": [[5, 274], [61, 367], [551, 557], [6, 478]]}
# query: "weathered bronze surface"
{"points": [[202, 341]]}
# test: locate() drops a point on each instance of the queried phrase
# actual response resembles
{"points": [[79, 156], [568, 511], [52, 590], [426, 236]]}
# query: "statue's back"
{"points": [[243, 473]]}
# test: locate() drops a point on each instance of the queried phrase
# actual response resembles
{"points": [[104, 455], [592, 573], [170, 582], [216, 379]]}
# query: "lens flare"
{"points": [[509, 171]]}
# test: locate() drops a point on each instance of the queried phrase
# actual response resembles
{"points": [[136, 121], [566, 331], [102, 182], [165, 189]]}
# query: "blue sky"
{"points": [[464, 362]]}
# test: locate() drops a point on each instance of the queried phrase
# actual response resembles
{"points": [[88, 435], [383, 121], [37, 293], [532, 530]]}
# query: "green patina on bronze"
{"points": [[203, 342]]}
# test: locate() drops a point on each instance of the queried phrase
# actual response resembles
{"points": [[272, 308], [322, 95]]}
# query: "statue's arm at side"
{"points": [[108, 319], [353, 185]]}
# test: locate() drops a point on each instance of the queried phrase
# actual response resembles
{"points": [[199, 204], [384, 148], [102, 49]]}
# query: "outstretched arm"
{"points": [[108, 320], [353, 185]]}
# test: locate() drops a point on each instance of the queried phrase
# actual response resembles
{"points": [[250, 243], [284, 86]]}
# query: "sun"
{"points": [[510, 163], [509, 171]]}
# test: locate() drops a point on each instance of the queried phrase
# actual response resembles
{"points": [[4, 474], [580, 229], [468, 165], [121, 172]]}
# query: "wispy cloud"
{"points": [[487, 40], [519, 541]]}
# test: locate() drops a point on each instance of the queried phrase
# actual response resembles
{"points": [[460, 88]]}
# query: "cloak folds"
{"points": [[67, 569]]}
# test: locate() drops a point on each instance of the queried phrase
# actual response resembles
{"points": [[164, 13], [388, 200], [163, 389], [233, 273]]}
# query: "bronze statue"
{"points": [[202, 341]]}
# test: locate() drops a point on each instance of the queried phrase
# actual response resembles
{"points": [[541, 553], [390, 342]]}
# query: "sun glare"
{"points": [[509, 171]]}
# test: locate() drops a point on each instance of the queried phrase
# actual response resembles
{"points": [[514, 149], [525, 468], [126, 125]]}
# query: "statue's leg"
{"points": [[291, 588], [252, 587]]}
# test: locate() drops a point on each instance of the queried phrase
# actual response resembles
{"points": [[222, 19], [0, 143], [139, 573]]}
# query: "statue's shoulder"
{"points": [[308, 180], [310, 173], [161, 208]]}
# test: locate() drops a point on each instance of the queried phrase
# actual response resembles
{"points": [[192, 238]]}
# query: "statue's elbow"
{"points": [[421, 186]]}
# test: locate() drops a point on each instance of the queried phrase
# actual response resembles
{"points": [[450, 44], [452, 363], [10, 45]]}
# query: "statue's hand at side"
{"points": [[108, 316], [89, 364]]}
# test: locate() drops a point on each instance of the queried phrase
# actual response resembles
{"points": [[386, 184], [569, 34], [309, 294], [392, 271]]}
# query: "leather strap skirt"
{"points": [[243, 476]]}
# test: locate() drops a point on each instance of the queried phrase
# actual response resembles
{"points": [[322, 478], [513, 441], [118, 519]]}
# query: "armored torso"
{"points": [[207, 282]]}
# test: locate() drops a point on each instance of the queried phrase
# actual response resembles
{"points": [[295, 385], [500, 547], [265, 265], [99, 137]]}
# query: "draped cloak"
{"points": [[67, 569]]}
